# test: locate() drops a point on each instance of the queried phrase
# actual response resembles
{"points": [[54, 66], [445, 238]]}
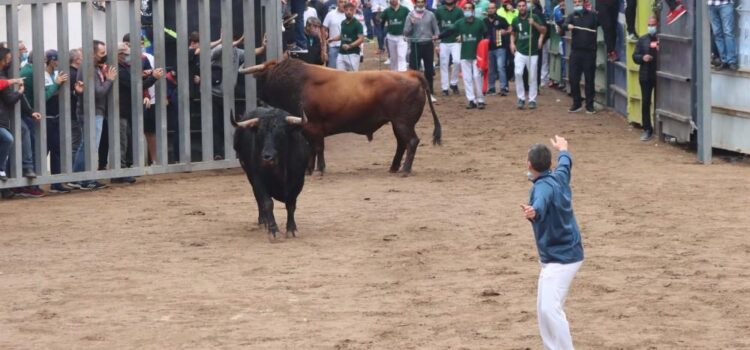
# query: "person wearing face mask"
{"points": [[351, 37], [23, 53], [103, 79], [420, 30], [449, 49], [582, 23], [558, 239], [498, 33], [394, 18], [528, 29], [470, 31], [645, 54]]}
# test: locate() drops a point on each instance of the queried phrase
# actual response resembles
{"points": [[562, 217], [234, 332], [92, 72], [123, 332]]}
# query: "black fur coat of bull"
{"points": [[274, 154]]}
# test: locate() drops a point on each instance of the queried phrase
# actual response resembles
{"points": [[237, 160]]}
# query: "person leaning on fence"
{"points": [[645, 55], [351, 37], [315, 52], [582, 23], [722, 16], [76, 88], [449, 48], [8, 100], [53, 79], [394, 18], [421, 30], [527, 33], [103, 78], [558, 239]]}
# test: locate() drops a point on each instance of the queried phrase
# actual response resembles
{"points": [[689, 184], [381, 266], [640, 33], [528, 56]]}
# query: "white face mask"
{"points": [[529, 175], [419, 9]]}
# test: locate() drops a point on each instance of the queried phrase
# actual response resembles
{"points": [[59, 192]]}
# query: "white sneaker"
{"points": [[432, 98], [387, 61], [3, 176]]}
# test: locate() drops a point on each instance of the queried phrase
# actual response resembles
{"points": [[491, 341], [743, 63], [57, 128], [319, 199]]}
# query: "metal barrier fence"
{"points": [[272, 19]]}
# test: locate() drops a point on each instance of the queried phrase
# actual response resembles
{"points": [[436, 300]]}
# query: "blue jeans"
{"points": [[722, 24], [28, 141], [379, 31], [6, 143], [497, 68], [333, 55], [79, 160], [298, 8], [53, 144], [563, 61], [367, 12]]}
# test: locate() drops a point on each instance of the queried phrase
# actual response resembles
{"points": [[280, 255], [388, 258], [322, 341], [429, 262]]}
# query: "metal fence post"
{"points": [[702, 50], [136, 85], [184, 80], [113, 99], [229, 74], [162, 147], [63, 47], [89, 73], [40, 99], [249, 26], [204, 16]]}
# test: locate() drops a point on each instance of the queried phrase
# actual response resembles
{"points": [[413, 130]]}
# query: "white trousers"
{"points": [[397, 47], [545, 63], [521, 62], [554, 282], [349, 63], [472, 80], [446, 52]]}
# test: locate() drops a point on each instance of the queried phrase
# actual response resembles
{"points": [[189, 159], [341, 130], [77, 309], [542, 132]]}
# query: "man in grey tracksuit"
{"points": [[420, 30]]}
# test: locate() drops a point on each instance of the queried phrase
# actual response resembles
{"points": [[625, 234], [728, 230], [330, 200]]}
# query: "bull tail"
{"points": [[437, 133]]}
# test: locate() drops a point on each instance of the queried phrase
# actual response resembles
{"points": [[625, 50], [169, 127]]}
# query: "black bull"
{"points": [[274, 153], [337, 102]]}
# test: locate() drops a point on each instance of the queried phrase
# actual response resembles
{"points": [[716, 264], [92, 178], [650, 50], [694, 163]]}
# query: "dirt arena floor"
{"points": [[442, 259]]}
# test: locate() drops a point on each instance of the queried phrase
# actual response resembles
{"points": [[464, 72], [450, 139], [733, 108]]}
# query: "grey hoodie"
{"points": [[421, 29]]}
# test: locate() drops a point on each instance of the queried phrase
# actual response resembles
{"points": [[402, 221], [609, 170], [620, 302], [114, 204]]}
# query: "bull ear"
{"points": [[294, 120], [248, 123]]}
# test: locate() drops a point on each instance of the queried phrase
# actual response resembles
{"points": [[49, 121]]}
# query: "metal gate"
{"points": [[132, 15]]}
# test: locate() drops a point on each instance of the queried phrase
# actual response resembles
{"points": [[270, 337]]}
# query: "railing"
{"points": [[160, 164]]}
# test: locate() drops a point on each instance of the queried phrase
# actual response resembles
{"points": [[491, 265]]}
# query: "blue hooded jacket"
{"points": [[558, 238]]}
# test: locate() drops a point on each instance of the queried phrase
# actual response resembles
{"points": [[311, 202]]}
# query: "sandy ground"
{"points": [[439, 260]]}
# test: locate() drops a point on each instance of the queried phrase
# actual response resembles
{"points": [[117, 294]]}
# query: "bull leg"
{"points": [[291, 225], [411, 151], [400, 148], [259, 201], [321, 157], [273, 229], [311, 162]]}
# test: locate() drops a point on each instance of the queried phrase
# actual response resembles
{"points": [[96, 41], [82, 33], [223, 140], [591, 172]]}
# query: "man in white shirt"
{"points": [[310, 11], [332, 26]]}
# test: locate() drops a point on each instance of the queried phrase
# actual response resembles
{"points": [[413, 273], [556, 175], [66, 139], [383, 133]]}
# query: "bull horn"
{"points": [[294, 120], [252, 70], [248, 123], [304, 117]]}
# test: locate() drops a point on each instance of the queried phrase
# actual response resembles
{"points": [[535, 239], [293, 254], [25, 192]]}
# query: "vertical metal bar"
{"points": [[88, 69], [207, 139], [161, 85], [136, 84], [273, 29], [249, 25], [40, 101], [11, 14], [63, 47], [702, 52], [184, 80], [113, 100], [229, 74]]}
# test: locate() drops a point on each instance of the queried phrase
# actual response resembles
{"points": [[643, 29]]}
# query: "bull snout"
{"points": [[268, 158]]}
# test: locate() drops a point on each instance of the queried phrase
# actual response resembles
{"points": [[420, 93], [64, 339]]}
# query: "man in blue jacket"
{"points": [[558, 239]]}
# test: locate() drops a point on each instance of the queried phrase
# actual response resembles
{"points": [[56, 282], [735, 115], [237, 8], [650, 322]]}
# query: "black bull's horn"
{"points": [[253, 69]]}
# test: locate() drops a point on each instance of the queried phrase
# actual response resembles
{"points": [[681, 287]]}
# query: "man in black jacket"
{"points": [[645, 55], [582, 23]]}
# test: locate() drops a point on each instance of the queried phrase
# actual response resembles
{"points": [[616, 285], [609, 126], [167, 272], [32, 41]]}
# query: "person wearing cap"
{"points": [[53, 79]]}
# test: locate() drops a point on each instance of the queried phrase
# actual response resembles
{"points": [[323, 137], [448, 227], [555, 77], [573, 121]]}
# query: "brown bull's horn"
{"points": [[294, 120], [248, 123], [251, 70]]}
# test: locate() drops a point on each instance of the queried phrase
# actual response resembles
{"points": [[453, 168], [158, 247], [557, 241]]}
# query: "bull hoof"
{"points": [[292, 234], [272, 238], [392, 171]]}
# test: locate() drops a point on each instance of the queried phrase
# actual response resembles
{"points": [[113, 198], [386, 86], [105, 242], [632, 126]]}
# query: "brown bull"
{"points": [[337, 102]]}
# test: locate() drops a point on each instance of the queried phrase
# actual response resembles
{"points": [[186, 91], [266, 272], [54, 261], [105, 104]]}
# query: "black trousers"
{"points": [[647, 87], [632, 5], [582, 62], [423, 52], [608, 12]]}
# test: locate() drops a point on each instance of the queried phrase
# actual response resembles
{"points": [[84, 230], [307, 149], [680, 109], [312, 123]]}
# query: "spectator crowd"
{"points": [[489, 44]]}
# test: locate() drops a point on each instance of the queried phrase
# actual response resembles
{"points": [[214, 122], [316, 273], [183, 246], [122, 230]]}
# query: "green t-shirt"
{"points": [[521, 28], [350, 32], [470, 34], [447, 19], [395, 19]]}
